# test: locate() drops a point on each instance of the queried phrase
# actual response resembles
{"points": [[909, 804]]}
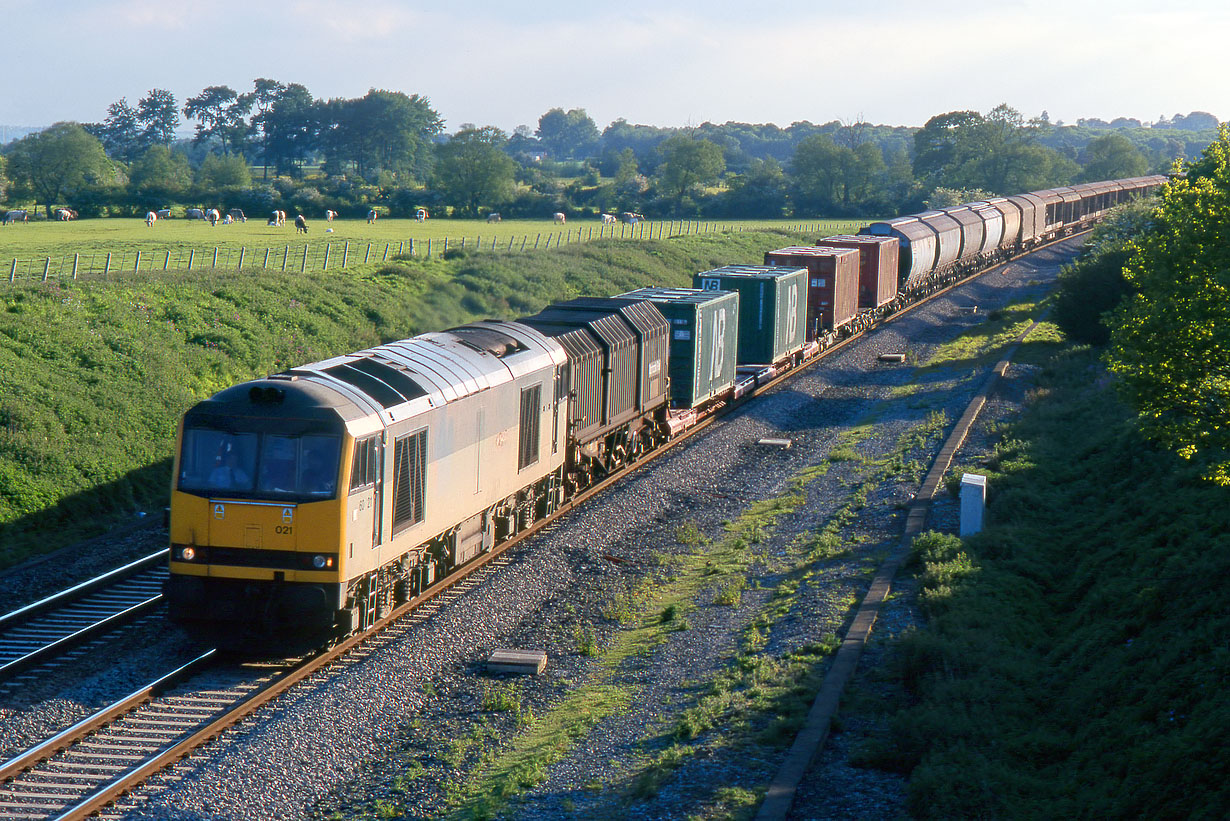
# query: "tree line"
{"points": [[277, 146]]}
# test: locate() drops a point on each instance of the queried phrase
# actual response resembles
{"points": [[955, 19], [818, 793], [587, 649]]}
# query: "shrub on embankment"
{"points": [[1075, 663], [95, 375]]}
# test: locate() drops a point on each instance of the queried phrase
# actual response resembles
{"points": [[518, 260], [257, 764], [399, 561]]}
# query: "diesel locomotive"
{"points": [[317, 499]]}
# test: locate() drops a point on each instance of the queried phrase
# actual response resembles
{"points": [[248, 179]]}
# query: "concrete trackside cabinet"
{"points": [[973, 503]]}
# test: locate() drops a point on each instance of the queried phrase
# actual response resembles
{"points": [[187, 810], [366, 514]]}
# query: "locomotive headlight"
{"points": [[187, 554], [319, 562]]}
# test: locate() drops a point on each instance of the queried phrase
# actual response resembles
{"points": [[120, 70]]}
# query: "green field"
{"points": [[42, 239]]}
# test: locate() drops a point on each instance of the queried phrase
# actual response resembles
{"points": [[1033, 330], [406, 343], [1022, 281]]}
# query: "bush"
{"points": [[1094, 285]]}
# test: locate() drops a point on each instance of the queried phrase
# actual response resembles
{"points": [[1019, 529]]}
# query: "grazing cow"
{"points": [[300, 224], [228, 219], [16, 216], [493, 217], [150, 219], [609, 219], [559, 218], [420, 215], [372, 216], [631, 218], [65, 214], [236, 215], [164, 214], [194, 214], [213, 215], [330, 215]]}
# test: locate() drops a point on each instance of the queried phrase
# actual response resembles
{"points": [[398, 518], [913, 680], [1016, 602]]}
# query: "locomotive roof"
{"points": [[396, 380]]}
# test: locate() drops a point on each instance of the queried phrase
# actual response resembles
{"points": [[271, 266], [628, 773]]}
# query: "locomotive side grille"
{"points": [[527, 451], [409, 479]]}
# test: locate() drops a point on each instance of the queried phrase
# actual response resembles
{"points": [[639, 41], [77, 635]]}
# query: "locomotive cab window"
{"points": [[300, 468], [216, 461], [365, 468]]}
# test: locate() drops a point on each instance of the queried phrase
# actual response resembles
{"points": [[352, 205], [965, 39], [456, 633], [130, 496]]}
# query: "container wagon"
{"points": [[832, 291], [877, 266], [772, 309]]}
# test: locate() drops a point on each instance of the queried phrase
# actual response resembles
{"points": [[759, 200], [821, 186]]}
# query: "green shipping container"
{"points": [[703, 338], [772, 308]]}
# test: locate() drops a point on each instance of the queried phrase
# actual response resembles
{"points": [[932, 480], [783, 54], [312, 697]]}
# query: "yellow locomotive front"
{"points": [[257, 520]]}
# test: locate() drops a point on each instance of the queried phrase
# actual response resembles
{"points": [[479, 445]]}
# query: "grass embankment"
{"points": [[94, 375], [1076, 662]]}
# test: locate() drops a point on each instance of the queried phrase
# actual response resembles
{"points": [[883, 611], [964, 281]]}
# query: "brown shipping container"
{"points": [[878, 260], [832, 275]]}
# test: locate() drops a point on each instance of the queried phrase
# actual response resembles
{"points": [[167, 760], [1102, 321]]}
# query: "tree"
{"points": [[218, 173], [1171, 340], [761, 192], [688, 163], [998, 152], [264, 94], [381, 131], [159, 175], [158, 114], [814, 173], [120, 136], [1112, 157], [59, 162], [221, 114], [472, 169], [567, 135], [291, 127]]}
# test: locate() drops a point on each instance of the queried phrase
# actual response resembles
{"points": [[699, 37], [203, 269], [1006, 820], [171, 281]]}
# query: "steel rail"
{"points": [[79, 591]]}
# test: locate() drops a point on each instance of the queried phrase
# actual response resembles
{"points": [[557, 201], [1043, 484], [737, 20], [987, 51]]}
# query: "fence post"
{"points": [[345, 252], [13, 271], [46, 268], [367, 255], [107, 270], [536, 239], [136, 266], [215, 263], [166, 263], [75, 258], [327, 246], [386, 253], [265, 264], [303, 267], [524, 239], [285, 256], [428, 247], [510, 242], [402, 247], [445, 251], [241, 250]]}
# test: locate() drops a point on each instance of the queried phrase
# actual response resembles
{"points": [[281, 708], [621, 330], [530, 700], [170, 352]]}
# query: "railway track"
{"points": [[45, 630], [90, 766]]}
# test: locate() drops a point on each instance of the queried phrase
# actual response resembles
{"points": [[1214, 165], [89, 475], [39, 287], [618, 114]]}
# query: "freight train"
{"points": [[317, 499]]}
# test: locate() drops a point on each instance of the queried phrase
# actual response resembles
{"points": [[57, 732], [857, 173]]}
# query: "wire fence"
{"points": [[337, 255]]}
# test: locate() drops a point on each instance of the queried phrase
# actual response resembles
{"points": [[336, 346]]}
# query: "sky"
{"points": [[657, 62]]}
